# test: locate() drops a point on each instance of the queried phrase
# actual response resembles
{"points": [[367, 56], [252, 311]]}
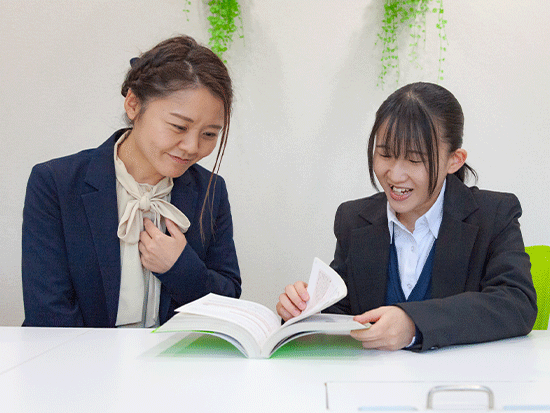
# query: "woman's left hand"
{"points": [[159, 252]]}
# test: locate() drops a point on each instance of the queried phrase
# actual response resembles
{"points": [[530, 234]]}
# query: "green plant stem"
{"points": [[224, 14], [401, 15]]}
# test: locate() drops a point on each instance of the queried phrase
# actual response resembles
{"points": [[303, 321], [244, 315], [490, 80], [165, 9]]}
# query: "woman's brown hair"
{"points": [[181, 63]]}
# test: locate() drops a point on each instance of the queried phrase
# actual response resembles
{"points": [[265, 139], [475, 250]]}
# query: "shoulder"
{"points": [[493, 199], [75, 164], [360, 213], [60, 174], [370, 207], [78, 173], [497, 210], [463, 201], [65, 164], [491, 212]]}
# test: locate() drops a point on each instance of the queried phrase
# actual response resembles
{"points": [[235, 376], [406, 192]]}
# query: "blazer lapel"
{"points": [[102, 214], [369, 245], [184, 195], [455, 241]]}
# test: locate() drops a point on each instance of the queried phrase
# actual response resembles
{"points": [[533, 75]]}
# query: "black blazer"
{"points": [[481, 282], [71, 252]]}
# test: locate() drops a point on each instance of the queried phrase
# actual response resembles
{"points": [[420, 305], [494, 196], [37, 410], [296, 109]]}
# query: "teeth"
{"points": [[400, 191]]}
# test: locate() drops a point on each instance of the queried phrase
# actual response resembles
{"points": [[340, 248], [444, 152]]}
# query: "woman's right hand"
{"points": [[293, 301]]}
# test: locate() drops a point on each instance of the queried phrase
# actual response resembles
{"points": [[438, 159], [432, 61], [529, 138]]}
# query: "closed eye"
{"points": [[210, 135], [179, 127]]}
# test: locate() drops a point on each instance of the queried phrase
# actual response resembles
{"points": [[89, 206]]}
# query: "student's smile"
{"points": [[406, 183], [400, 193]]}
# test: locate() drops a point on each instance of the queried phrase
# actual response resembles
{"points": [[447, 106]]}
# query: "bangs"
{"points": [[406, 129], [408, 132]]}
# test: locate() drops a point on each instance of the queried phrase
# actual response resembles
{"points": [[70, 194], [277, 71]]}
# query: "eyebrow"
{"points": [[408, 151], [185, 118]]}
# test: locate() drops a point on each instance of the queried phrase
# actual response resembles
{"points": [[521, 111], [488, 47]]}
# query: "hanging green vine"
{"points": [[223, 17], [400, 15], [224, 14], [441, 22], [186, 10]]}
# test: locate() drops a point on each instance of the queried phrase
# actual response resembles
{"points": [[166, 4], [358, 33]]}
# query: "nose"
{"points": [[397, 172], [190, 144]]}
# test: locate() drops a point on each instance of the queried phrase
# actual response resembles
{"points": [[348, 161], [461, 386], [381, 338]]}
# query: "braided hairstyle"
{"points": [[175, 64]]}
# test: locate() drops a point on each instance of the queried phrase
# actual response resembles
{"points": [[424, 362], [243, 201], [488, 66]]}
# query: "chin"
{"points": [[178, 173], [401, 207]]}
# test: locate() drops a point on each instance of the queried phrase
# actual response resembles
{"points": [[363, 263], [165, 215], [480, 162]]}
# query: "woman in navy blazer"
{"points": [[476, 276], [178, 100]]}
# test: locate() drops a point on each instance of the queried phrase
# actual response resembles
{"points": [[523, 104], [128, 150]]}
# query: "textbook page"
{"points": [[325, 287], [257, 319], [338, 324]]}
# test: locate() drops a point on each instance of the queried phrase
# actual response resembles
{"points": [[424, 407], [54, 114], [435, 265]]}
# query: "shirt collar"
{"points": [[432, 217]]}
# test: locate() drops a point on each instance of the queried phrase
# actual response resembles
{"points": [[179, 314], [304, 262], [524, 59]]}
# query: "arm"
{"points": [[192, 277], [48, 293], [501, 304]]}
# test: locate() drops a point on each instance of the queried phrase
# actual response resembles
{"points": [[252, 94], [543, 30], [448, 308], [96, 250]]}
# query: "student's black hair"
{"points": [[415, 118]]}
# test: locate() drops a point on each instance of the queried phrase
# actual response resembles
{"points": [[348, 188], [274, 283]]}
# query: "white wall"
{"points": [[305, 82]]}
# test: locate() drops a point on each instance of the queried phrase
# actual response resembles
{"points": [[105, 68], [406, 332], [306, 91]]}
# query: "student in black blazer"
{"points": [[75, 225], [475, 270]]}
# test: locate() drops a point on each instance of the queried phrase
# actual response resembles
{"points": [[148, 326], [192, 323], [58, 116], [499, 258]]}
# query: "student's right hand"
{"points": [[293, 301], [393, 329]]}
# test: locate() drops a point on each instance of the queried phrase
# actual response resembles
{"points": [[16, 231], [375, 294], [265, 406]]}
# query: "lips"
{"points": [[400, 193], [179, 160]]}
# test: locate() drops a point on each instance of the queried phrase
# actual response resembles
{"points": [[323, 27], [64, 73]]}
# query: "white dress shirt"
{"points": [[413, 248]]}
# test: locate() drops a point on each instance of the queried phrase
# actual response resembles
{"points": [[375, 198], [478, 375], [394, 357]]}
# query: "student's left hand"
{"points": [[393, 329], [159, 252]]}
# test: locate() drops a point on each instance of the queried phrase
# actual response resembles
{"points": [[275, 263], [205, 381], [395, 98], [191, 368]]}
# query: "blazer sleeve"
{"points": [[48, 294], [192, 277], [504, 304]]}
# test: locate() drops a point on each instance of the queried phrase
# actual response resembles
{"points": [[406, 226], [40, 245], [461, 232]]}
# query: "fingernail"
{"points": [[301, 305]]}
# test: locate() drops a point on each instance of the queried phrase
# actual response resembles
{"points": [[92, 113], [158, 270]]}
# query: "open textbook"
{"points": [[256, 330]]}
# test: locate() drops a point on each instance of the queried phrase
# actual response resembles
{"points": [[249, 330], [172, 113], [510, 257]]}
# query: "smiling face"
{"points": [[406, 182], [170, 134]]}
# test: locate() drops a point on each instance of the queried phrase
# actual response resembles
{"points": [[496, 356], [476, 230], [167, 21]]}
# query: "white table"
{"points": [[133, 370]]}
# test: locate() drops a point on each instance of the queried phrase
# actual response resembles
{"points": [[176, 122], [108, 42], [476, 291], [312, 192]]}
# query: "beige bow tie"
{"points": [[131, 222]]}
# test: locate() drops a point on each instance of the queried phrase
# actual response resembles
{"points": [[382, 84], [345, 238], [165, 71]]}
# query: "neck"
{"points": [[408, 223], [134, 162]]}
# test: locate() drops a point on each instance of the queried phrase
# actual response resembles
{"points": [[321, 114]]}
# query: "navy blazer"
{"points": [[71, 251], [481, 282]]}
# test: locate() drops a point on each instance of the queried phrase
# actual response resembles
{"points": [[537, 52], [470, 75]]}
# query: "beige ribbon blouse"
{"points": [[139, 288]]}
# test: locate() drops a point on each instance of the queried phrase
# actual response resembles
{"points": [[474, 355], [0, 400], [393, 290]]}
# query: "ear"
{"points": [[132, 105], [457, 159]]}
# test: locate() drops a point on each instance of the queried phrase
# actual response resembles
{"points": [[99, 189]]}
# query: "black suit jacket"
{"points": [[71, 251], [481, 282]]}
